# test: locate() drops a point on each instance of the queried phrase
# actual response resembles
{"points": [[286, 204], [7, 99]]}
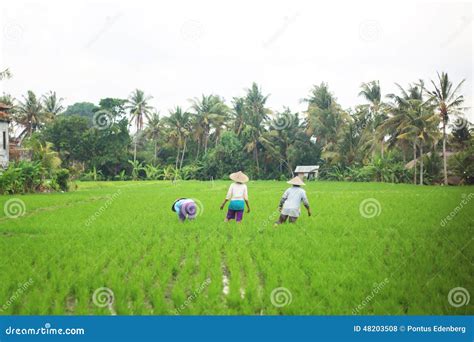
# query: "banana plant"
{"points": [[136, 168], [153, 172]]}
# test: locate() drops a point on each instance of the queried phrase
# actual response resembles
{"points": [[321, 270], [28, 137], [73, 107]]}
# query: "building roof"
{"points": [[4, 117], [4, 106], [307, 168]]}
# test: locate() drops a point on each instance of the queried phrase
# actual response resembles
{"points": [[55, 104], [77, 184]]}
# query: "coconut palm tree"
{"points": [[179, 122], [257, 115], [9, 100], [412, 119], [52, 104], [210, 111], [238, 115], [137, 104], [153, 131], [326, 121], [398, 109], [45, 154], [29, 114], [5, 74], [282, 141], [419, 126], [371, 93], [448, 103], [220, 122]]}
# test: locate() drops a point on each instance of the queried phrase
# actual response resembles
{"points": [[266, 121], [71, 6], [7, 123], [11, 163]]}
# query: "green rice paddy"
{"points": [[117, 248]]}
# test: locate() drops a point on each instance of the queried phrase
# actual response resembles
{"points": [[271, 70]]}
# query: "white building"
{"points": [[4, 145], [307, 171]]}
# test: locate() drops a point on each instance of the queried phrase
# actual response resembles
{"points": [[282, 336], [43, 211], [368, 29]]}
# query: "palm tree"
{"points": [[238, 114], [52, 104], [210, 111], [5, 74], [137, 104], [284, 139], [398, 111], [448, 103], [326, 121], [419, 125], [30, 115], [9, 100], [412, 119], [371, 93], [45, 154], [257, 115], [219, 123], [179, 123], [153, 130]]}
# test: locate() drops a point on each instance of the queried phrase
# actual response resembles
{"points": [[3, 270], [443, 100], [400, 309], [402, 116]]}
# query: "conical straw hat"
{"points": [[239, 177], [296, 181]]}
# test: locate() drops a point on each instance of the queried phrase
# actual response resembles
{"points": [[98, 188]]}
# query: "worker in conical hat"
{"points": [[238, 197], [185, 208], [291, 201]]}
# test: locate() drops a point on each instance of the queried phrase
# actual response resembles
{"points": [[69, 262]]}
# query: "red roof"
{"points": [[4, 117], [4, 106]]}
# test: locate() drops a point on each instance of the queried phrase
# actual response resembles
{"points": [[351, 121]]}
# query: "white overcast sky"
{"points": [[176, 50]]}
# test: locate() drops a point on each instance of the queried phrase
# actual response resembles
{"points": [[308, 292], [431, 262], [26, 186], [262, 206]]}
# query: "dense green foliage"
{"points": [[62, 179], [394, 138], [24, 177], [21, 177], [330, 261], [85, 109]]}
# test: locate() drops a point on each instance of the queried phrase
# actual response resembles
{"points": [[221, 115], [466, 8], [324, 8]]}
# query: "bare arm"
{"points": [[246, 199], [223, 203], [306, 203]]}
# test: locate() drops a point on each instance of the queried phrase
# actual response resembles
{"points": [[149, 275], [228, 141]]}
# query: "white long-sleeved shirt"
{"points": [[291, 201], [237, 191]]}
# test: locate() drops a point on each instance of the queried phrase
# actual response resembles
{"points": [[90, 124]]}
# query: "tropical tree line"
{"points": [[417, 134]]}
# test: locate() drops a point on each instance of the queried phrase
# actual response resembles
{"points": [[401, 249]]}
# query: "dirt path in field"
{"points": [[226, 276], [261, 278], [225, 279]]}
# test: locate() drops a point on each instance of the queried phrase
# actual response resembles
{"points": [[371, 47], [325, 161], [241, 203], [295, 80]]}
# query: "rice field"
{"points": [[116, 248]]}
